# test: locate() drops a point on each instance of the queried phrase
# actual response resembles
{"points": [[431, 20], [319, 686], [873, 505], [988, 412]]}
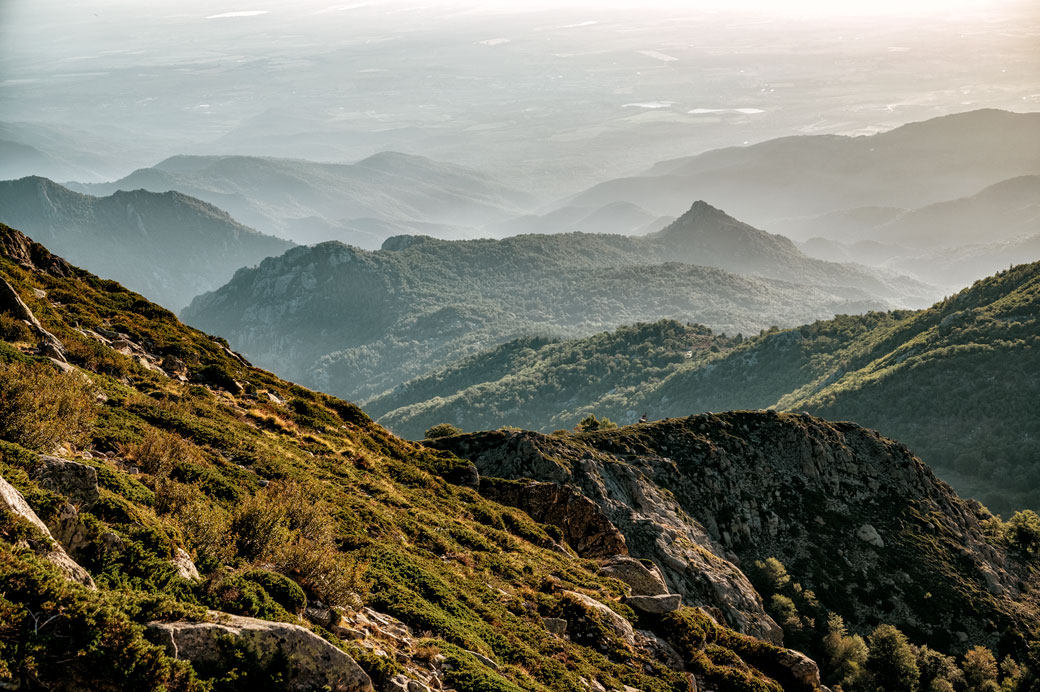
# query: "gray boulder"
{"points": [[314, 663], [74, 480], [52, 552], [620, 626], [656, 605], [643, 580]]}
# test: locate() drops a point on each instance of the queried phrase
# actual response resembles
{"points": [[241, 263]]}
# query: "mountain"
{"points": [[790, 487], [917, 164], [545, 384], [309, 202], [955, 381], [168, 246], [173, 518], [358, 323]]}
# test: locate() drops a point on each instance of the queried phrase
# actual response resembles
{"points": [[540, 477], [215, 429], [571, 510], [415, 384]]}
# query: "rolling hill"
{"points": [[168, 246], [358, 323], [914, 165], [956, 381], [310, 202]]}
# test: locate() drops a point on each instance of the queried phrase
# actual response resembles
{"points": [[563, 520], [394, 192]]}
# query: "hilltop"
{"points": [[917, 164], [168, 246]]}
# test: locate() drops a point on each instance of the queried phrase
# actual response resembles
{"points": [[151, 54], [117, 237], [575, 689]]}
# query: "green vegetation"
{"points": [[957, 382], [420, 304], [283, 497]]}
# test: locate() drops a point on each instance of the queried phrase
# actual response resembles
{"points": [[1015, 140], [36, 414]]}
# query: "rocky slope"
{"points": [[855, 517], [243, 533], [168, 246]]}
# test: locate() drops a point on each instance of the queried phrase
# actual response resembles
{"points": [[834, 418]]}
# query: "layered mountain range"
{"points": [[360, 204], [168, 246], [173, 518], [358, 323], [955, 381]]}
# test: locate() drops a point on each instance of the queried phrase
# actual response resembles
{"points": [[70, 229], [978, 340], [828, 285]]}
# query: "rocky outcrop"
{"points": [[49, 550], [620, 627], [313, 662], [706, 495], [584, 526], [653, 524], [11, 303], [78, 482], [642, 579]]}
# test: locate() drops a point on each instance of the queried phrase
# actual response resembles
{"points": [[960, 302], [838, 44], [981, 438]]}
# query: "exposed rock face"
{"points": [[643, 580], [13, 501], [314, 663], [832, 501], [656, 605], [654, 525], [11, 303], [621, 627], [74, 480], [584, 526]]}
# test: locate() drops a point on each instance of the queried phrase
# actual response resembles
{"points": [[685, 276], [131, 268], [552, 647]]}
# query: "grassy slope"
{"points": [[452, 565]]}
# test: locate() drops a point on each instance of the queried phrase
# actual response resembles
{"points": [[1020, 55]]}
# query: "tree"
{"points": [[938, 672], [443, 430], [844, 654], [980, 670], [891, 663], [1024, 530], [590, 423]]}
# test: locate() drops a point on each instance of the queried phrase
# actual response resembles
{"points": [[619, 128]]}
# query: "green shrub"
{"points": [[443, 430], [281, 588], [41, 408]]}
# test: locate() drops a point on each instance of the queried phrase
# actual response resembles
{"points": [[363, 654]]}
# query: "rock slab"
{"points": [[314, 663]]}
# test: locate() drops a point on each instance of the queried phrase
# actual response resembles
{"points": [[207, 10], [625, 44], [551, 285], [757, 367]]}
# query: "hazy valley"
{"points": [[520, 347]]}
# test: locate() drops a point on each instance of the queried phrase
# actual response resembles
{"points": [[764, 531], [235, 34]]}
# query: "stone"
{"points": [[416, 686], [655, 605], [868, 534], [185, 565], [11, 303], [398, 683], [557, 626], [76, 481], [313, 662], [483, 659], [659, 649], [618, 624], [641, 579], [802, 669], [13, 501], [585, 528]]}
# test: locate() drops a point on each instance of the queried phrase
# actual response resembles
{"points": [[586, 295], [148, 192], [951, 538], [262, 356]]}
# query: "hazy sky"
{"points": [[551, 91]]}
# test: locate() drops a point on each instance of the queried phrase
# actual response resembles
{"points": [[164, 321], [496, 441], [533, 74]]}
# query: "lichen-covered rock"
{"points": [[184, 565], [313, 662], [643, 580], [13, 501], [868, 534], [621, 627], [656, 605], [76, 481], [584, 526]]}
